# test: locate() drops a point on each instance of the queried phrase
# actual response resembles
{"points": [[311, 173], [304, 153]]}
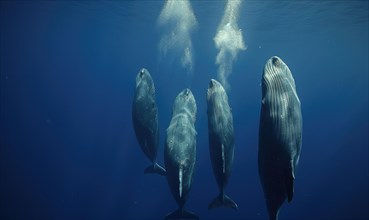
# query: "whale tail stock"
{"points": [[223, 200], [155, 168], [181, 214]]}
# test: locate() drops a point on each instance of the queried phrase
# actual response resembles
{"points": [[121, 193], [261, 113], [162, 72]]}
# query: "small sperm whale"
{"points": [[145, 119], [221, 141]]}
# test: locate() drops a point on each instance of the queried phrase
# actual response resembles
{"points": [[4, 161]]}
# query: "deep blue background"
{"points": [[68, 69]]}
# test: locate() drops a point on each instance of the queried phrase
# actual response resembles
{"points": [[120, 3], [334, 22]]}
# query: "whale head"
{"points": [[215, 87], [274, 66], [143, 74], [144, 84], [276, 70], [185, 103]]}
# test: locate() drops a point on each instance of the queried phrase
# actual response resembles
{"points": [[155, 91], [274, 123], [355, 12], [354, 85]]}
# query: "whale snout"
{"points": [[185, 95], [214, 84], [214, 88], [187, 92], [142, 72], [211, 84], [275, 61]]}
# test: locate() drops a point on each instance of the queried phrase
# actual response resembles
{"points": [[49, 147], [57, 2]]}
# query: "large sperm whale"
{"points": [[280, 133], [145, 119]]}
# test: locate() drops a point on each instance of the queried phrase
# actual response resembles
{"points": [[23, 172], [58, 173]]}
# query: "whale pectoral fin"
{"points": [[290, 177], [180, 178], [155, 168]]}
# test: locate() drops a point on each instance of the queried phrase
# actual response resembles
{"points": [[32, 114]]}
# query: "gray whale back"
{"points": [[180, 151], [280, 134], [145, 119]]}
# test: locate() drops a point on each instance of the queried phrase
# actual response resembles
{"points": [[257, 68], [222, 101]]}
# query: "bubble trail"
{"points": [[178, 21], [228, 40]]}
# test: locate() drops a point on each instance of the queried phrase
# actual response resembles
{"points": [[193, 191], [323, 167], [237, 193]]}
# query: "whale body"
{"points": [[145, 119], [280, 134], [180, 151], [221, 141]]}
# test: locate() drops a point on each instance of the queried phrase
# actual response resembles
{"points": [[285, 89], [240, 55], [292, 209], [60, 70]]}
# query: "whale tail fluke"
{"points": [[156, 168], [223, 200], [273, 214], [181, 214]]}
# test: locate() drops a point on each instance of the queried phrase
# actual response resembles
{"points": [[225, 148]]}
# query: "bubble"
{"points": [[178, 21], [228, 40]]}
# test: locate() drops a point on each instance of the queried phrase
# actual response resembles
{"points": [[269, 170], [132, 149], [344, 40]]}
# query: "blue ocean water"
{"points": [[68, 68]]}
